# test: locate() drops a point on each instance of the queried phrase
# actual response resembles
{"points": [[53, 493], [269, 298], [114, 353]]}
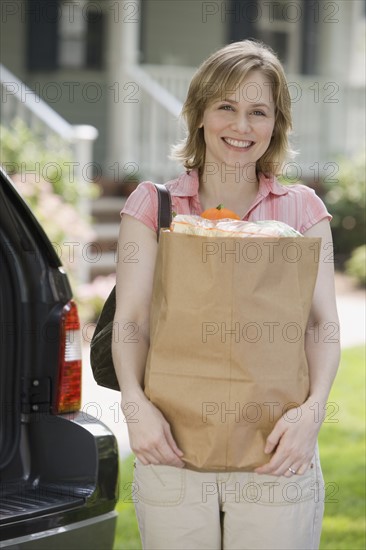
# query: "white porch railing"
{"points": [[18, 101], [156, 127], [328, 119]]}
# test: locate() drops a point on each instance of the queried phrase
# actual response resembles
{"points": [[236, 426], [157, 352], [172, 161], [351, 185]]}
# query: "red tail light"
{"points": [[69, 377]]}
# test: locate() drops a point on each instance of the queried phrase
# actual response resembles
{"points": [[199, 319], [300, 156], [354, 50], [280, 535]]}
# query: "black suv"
{"points": [[58, 466]]}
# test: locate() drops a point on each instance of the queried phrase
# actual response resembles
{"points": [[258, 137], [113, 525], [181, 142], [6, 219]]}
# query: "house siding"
{"points": [[79, 96], [13, 35], [181, 32]]}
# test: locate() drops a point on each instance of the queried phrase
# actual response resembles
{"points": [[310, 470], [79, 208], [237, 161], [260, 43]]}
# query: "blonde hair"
{"points": [[225, 70]]}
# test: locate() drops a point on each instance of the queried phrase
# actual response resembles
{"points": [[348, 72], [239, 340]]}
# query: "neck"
{"points": [[229, 185]]}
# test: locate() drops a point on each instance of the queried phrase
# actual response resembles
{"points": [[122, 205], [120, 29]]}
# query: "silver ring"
{"points": [[292, 470]]}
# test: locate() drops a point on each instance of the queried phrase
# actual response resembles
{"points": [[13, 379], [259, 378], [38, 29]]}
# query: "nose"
{"points": [[241, 124]]}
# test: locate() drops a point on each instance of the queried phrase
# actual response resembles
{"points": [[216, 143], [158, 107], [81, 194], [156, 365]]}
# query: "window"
{"points": [[289, 27], [280, 26], [80, 35], [72, 35], [65, 34]]}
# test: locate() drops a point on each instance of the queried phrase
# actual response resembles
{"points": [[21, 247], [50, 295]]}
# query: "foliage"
{"points": [[41, 169], [342, 450], [65, 227], [42, 158], [346, 199], [356, 265]]}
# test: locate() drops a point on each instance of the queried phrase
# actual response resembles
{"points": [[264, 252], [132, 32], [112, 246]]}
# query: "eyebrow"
{"points": [[252, 105]]}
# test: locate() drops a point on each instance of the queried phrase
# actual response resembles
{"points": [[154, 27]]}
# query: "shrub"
{"points": [[356, 265], [41, 157], [345, 200], [39, 168], [66, 228]]}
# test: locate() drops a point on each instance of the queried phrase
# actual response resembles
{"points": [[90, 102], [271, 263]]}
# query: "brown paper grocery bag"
{"points": [[226, 356]]}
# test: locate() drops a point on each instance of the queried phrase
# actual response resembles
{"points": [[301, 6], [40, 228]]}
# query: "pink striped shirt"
{"points": [[297, 205]]}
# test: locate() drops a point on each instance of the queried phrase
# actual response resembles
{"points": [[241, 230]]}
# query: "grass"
{"points": [[342, 450], [127, 533]]}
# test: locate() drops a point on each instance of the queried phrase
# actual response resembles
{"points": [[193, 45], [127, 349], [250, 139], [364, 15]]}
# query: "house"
{"points": [[123, 66]]}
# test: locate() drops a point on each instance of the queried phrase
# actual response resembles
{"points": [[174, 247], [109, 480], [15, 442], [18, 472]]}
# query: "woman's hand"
{"points": [[150, 436], [294, 437], [295, 441]]}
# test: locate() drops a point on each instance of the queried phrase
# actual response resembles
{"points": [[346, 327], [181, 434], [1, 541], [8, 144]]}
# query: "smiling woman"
{"points": [[238, 116], [228, 74], [237, 132]]}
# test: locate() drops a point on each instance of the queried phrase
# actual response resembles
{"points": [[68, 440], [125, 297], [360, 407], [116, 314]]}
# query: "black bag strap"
{"points": [[164, 207], [100, 347]]}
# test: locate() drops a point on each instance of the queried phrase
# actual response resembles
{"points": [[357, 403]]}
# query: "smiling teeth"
{"points": [[236, 143]]}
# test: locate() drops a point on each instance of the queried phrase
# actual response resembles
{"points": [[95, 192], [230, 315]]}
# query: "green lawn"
{"points": [[342, 449], [127, 534]]}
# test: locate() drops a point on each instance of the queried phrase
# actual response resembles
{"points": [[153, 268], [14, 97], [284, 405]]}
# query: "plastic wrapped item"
{"points": [[196, 225]]}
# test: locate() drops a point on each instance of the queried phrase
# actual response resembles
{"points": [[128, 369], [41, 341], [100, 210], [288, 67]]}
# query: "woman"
{"points": [[238, 117]]}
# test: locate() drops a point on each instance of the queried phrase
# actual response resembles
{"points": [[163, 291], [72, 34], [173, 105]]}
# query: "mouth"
{"points": [[238, 144]]}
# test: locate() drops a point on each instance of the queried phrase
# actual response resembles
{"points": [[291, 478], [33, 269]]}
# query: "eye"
{"points": [[259, 113], [226, 107]]}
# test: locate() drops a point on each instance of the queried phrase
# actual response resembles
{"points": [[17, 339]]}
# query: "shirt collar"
{"points": [[187, 184], [270, 185]]}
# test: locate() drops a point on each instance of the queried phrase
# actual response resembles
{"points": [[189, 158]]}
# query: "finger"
{"points": [[291, 470], [272, 466], [279, 464], [166, 454], [282, 469], [167, 458], [299, 468], [277, 460], [274, 438], [157, 453], [171, 442], [304, 468], [146, 458]]}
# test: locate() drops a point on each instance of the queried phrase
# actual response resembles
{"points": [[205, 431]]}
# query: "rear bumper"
{"points": [[91, 534], [72, 483]]}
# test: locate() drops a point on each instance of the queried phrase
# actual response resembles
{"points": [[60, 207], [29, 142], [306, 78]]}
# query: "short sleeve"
{"points": [[142, 204], [315, 210]]}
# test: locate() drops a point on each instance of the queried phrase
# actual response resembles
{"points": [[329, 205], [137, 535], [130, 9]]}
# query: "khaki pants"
{"points": [[182, 509]]}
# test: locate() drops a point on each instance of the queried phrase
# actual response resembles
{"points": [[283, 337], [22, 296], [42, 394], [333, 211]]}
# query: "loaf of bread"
{"points": [[196, 225]]}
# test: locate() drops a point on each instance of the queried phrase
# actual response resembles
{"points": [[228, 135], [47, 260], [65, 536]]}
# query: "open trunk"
{"points": [[55, 469]]}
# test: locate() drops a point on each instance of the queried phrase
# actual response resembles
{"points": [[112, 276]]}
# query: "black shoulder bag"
{"points": [[101, 344]]}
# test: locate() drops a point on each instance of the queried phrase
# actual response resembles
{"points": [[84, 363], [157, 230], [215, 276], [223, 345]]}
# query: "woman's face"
{"points": [[238, 126]]}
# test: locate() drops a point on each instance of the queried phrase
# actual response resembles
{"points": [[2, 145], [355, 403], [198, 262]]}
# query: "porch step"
{"points": [[103, 204], [105, 265], [106, 222], [106, 231], [107, 209], [106, 215]]}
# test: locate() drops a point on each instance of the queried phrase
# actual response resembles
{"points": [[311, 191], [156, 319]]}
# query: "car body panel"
{"points": [[58, 473], [73, 536]]}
